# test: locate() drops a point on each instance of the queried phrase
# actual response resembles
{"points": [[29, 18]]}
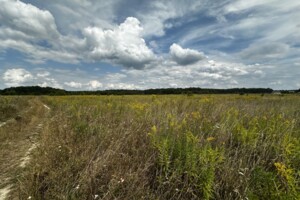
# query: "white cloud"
{"points": [[204, 73], [157, 15], [267, 21], [76, 14], [122, 45], [21, 77], [115, 77], [7, 32], [24, 27], [94, 84], [50, 82], [44, 84], [28, 20], [124, 86], [73, 84], [38, 54], [43, 74], [242, 5], [16, 77], [265, 51], [166, 73], [185, 56]]}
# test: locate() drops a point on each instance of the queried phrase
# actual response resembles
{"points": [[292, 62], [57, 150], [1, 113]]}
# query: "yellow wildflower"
{"points": [[210, 139]]}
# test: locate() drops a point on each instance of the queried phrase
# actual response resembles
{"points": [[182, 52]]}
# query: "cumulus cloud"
{"points": [[169, 74], [204, 73], [94, 84], [21, 18], [20, 77], [48, 82], [73, 84], [91, 85], [123, 45], [33, 31], [185, 56], [124, 86], [16, 77]]}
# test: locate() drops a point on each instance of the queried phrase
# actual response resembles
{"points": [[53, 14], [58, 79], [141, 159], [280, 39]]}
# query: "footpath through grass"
{"points": [[167, 147], [19, 130]]}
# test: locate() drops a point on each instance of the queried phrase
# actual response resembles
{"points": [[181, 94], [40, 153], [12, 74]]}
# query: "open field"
{"points": [[160, 147]]}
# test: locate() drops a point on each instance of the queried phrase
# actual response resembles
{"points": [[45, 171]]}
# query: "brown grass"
{"points": [[16, 137]]}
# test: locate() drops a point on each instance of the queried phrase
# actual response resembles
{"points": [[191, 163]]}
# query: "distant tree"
{"points": [[36, 90]]}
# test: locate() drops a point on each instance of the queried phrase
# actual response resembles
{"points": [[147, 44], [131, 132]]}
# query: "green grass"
{"points": [[167, 147]]}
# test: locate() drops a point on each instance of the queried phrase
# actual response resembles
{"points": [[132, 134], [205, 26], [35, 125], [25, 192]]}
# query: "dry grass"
{"points": [[167, 147], [16, 137], [10, 106]]}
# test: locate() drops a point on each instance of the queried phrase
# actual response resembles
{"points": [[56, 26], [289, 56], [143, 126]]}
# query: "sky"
{"points": [[141, 44]]}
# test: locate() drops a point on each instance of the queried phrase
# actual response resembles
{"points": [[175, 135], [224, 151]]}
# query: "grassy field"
{"points": [[167, 147]]}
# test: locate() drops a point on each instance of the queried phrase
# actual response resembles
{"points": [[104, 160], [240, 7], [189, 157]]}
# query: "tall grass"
{"points": [[17, 117], [12, 109], [167, 147], [10, 106]]}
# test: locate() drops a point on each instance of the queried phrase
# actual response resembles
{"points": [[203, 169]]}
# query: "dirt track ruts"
{"points": [[16, 150]]}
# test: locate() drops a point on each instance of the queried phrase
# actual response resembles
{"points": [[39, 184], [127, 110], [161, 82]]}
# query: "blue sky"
{"points": [[140, 44]]}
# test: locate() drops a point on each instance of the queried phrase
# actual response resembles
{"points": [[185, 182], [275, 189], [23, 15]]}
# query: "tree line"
{"points": [[37, 90]]}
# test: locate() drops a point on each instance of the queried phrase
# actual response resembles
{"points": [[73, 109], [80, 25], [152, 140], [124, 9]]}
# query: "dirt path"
{"points": [[21, 138]]}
